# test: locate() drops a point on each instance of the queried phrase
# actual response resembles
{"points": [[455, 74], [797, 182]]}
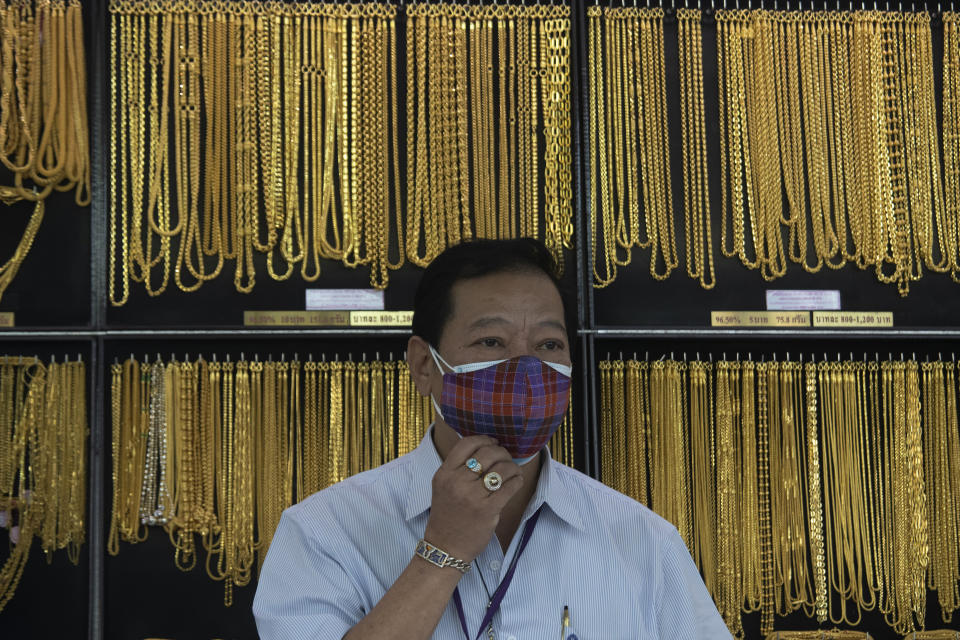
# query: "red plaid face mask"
{"points": [[520, 402]]}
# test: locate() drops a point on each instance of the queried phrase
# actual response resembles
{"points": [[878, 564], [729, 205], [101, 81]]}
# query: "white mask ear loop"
{"points": [[436, 407], [462, 368], [433, 352]]}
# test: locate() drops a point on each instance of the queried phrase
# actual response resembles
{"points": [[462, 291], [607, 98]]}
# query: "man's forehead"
{"points": [[500, 295]]}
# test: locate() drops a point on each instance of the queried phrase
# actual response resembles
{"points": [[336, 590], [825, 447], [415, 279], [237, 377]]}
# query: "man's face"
{"points": [[503, 316], [495, 317]]}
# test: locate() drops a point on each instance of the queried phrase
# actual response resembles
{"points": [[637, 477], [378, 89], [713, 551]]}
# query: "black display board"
{"points": [[636, 300], [51, 599], [140, 593], [52, 287], [142, 581]]}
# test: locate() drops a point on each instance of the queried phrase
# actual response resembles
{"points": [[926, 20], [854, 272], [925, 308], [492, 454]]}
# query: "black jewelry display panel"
{"points": [[62, 307]]}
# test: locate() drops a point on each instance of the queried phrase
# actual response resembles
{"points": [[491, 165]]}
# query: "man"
{"points": [[478, 533]]}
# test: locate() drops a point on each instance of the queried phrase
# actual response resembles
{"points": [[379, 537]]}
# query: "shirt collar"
{"points": [[424, 462], [551, 489]]}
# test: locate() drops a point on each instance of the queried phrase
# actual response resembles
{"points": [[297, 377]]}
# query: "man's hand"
{"points": [[464, 514]]}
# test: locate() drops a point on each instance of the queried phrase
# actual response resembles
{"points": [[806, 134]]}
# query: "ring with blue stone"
{"points": [[474, 465]]}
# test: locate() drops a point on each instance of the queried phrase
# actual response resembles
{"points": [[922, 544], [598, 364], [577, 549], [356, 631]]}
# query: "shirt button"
{"points": [[495, 566]]}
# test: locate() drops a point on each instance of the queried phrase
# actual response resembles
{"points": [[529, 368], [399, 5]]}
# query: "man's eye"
{"points": [[490, 342], [552, 345]]}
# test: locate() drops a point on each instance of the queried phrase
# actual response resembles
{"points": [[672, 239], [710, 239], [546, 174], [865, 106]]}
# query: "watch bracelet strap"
{"points": [[440, 558]]}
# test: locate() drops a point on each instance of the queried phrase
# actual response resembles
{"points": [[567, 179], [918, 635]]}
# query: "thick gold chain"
{"points": [[697, 226]]}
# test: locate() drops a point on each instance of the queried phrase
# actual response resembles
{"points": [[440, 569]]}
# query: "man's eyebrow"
{"points": [[486, 321], [553, 324]]}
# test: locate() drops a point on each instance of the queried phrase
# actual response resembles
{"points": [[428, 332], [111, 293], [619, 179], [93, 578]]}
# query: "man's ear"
{"points": [[421, 364]]}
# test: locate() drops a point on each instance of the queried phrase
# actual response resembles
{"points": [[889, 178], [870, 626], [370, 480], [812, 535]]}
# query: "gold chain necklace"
{"points": [[697, 227], [703, 472], [729, 588], [744, 403], [341, 69]]}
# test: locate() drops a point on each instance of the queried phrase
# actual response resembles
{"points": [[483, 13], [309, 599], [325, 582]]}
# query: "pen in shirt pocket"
{"points": [[566, 629]]}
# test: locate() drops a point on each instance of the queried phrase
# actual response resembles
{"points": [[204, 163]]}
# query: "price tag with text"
{"points": [[760, 319], [853, 319]]}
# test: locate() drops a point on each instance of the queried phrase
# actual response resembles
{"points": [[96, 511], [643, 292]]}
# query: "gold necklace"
{"points": [[844, 505], [43, 137], [900, 240], [951, 129], [815, 85], [9, 269], [697, 228], [947, 443], [337, 428], [728, 590], [352, 446], [600, 206], [654, 78], [557, 171], [324, 464], [766, 525], [406, 403], [30, 449], [311, 433], [744, 402], [735, 164], [919, 538], [606, 423], [390, 408], [786, 39], [764, 147], [788, 488], [365, 444], [703, 473], [636, 392], [378, 446], [417, 206], [816, 517]]}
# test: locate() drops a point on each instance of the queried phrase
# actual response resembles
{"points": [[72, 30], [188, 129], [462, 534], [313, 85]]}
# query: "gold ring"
{"points": [[492, 481]]}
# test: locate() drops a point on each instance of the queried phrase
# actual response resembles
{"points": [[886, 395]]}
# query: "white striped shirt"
{"points": [[623, 571]]}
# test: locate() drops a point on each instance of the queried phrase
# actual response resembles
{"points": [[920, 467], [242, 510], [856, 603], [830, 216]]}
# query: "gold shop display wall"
{"points": [[44, 150], [272, 134], [828, 487], [242, 156], [43, 463], [828, 132], [209, 452]]}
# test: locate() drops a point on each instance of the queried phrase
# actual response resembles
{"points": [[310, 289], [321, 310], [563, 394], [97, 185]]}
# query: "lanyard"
{"points": [[501, 591]]}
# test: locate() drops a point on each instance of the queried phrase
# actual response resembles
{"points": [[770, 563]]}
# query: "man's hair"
{"points": [[433, 304]]}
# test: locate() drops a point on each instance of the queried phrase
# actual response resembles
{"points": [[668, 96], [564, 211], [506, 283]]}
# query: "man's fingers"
{"points": [[499, 498], [465, 449], [508, 472], [489, 455]]}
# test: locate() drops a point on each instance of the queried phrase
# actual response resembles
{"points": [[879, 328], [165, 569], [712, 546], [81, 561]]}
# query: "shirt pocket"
{"points": [[609, 610]]}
